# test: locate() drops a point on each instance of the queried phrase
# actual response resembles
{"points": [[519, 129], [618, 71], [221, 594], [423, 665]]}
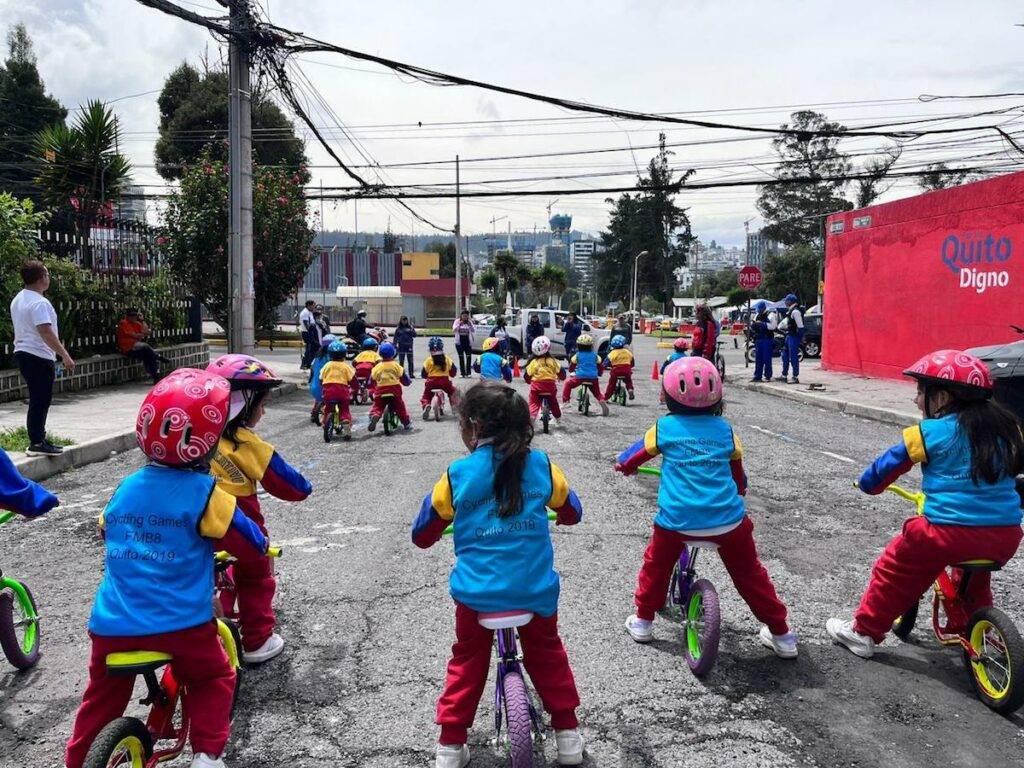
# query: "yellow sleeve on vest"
{"points": [[737, 447], [913, 439], [559, 487], [441, 498], [217, 516]]}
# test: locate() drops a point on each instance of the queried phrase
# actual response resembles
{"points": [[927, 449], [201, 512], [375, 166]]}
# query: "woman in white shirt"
{"points": [[36, 349]]}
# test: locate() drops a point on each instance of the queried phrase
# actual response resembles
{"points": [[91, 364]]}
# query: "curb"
{"points": [[884, 415], [98, 449]]}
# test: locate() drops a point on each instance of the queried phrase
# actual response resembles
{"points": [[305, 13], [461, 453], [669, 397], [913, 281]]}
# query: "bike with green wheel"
{"points": [[19, 619], [621, 395]]}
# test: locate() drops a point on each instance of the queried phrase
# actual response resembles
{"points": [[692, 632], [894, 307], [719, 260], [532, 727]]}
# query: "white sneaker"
{"points": [[451, 756], [203, 760], [639, 629], [843, 633], [784, 646], [271, 648], [570, 747]]}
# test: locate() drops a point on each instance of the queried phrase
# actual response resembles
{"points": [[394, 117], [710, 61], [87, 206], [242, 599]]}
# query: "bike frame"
{"points": [[509, 660]]}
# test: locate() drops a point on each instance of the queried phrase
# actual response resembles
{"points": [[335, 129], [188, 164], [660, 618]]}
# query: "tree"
{"points": [[941, 176], [738, 296], [870, 189], [25, 110], [79, 167], [794, 211], [557, 279], [197, 237], [718, 283], [489, 281], [645, 221], [448, 254], [794, 270], [194, 122], [509, 270]]}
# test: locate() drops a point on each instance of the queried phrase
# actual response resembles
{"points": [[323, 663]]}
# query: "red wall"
{"points": [[936, 271], [438, 287]]}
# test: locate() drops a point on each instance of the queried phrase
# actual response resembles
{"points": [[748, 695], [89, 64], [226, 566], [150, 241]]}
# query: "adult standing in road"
{"points": [[307, 330], [323, 324], [572, 330], [764, 324], [132, 333], [500, 332], [464, 334], [794, 338], [405, 333], [534, 329], [623, 329], [36, 349], [705, 335]]}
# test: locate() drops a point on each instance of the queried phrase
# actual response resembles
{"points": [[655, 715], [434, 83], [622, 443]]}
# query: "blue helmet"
{"points": [[436, 344], [618, 342], [791, 298], [336, 346], [761, 306], [369, 343], [387, 350], [327, 339]]}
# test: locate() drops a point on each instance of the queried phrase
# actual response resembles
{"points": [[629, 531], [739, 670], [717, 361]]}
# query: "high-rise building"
{"points": [[581, 258], [759, 248]]}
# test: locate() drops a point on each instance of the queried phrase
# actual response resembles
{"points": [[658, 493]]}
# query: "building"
{"points": [[581, 258], [421, 266], [759, 248]]}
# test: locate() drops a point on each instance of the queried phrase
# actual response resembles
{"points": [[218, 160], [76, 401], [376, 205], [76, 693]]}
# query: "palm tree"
{"points": [[557, 282], [538, 281], [489, 281], [79, 166], [507, 267]]}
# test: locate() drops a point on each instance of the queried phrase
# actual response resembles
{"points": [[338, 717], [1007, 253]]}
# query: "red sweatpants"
{"points": [[435, 383], [340, 394], [543, 656], [200, 665], [914, 559], [623, 372], [739, 556], [571, 384], [377, 409], [255, 584], [549, 388]]}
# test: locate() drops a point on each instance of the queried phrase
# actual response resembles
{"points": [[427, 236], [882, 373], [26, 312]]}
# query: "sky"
{"points": [[748, 63]]}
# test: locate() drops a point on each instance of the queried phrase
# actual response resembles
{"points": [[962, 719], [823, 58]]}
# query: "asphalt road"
{"points": [[369, 622]]}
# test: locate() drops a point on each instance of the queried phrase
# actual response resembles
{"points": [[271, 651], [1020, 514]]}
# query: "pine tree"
{"points": [[25, 109]]}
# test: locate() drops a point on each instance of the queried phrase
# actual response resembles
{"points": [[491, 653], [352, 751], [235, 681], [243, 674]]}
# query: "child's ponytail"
{"points": [[499, 414], [994, 434]]}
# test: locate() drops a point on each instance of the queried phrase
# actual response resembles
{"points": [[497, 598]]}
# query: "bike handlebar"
{"points": [[226, 557], [5, 516], [649, 471], [917, 498], [450, 529]]}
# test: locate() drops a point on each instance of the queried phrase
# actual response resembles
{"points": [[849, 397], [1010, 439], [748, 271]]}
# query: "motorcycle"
{"points": [[353, 347]]}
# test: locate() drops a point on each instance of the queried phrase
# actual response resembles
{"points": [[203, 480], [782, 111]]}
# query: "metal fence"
{"points": [[119, 247]]}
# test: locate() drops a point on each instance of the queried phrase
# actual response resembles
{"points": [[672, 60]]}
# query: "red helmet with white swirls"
{"points": [[182, 417], [953, 369]]}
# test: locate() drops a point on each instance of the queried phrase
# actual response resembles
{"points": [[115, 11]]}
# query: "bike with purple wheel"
{"points": [[512, 697], [697, 602]]}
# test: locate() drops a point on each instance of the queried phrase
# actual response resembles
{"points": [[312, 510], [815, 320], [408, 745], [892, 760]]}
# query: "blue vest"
{"points": [[697, 489], [159, 570], [315, 387], [586, 365], [952, 497], [490, 366], [502, 564]]}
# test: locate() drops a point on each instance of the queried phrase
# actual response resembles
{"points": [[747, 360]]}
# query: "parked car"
{"points": [[551, 319], [812, 333]]}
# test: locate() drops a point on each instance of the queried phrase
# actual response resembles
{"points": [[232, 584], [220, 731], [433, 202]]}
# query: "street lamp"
{"points": [[636, 264]]}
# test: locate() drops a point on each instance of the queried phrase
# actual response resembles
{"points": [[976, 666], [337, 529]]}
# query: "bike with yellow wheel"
{"points": [[991, 644]]}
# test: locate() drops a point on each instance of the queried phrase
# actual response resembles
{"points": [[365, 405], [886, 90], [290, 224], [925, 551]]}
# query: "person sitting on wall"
{"points": [[132, 333]]}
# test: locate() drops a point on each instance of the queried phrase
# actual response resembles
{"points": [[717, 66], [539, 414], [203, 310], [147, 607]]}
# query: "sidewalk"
{"points": [[884, 400], [101, 422]]}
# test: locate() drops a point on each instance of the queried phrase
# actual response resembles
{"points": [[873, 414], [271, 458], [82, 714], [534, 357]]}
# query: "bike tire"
{"points": [[991, 624], [236, 637], [329, 427], [702, 627], [438, 408], [518, 723], [23, 653], [748, 356], [545, 418], [720, 365], [586, 405], [386, 418], [125, 735], [904, 625]]}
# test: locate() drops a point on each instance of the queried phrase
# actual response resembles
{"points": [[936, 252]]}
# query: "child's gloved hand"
{"points": [[624, 469]]}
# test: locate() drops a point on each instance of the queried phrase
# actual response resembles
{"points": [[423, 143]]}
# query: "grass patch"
{"points": [[17, 439]]}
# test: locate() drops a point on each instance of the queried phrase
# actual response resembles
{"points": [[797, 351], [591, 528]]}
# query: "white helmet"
{"points": [[541, 345]]}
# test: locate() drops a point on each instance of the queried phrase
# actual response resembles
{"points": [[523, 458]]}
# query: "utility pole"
{"points": [[458, 255], [240, 276]]}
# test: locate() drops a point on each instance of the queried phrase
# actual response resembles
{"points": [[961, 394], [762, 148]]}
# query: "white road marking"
{"points": [[788, 439], [847, 459]]}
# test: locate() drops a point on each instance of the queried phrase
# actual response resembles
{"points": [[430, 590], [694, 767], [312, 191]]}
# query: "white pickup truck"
{"points": [[552, 320]]}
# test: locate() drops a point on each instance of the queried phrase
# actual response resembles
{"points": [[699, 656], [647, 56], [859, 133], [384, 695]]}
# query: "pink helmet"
{"points": [[693, 383], [244, 372], [680, 344], [182, 417]]}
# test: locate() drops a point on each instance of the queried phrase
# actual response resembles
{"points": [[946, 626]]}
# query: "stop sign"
{"points": [[749, 278]]}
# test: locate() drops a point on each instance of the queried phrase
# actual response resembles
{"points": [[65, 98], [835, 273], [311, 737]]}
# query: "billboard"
{"points": [[939, 270]]}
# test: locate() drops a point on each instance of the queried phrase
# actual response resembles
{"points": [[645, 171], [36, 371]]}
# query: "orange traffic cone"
{"points": [[654, 371], [515, 368]]}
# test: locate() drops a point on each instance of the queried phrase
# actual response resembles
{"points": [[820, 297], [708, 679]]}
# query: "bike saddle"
{"points": [[131, 663], [702, 545], [504, 619], [979, 565]]}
